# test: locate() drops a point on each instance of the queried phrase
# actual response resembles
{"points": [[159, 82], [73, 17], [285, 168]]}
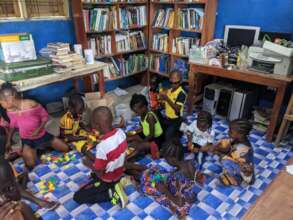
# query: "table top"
{"points": [[242, 75], [31, 83]]}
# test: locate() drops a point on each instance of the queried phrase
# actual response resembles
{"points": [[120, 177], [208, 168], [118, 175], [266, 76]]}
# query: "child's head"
{"points": [[154, 82], [204, 121], [239, 129], [8, 95], [139, 104], [175, 79], [76, 105], [2, 142], [8, 186], [172, 151], [102, 119]]}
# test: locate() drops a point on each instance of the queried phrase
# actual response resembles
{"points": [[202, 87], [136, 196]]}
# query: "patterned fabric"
{"points": [[177, 184], [69, 124], [178, 97]]}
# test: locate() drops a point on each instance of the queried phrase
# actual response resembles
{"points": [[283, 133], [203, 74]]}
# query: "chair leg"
{"points": [[281, 132]]}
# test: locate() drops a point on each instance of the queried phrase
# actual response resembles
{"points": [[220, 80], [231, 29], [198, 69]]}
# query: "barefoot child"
{"points": [[237, 159], [175, 190], [151, 128], [200, 134], [30, 118], [107, 165], [72, 130], [22, 179]]}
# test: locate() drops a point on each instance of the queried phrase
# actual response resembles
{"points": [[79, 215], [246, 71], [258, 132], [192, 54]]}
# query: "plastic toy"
{"points": [[48, 185]]}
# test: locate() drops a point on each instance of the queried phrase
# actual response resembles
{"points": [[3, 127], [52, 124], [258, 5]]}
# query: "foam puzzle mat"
{"points": [[214, 200]]}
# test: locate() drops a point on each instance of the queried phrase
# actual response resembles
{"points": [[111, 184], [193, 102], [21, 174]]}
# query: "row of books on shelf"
{"points": [[183, 18], [160, 42], [125, 41], [182, 45], [160, 63], [132, 17], [172, 1], [100, 19], [120, 67], [111, 1]]}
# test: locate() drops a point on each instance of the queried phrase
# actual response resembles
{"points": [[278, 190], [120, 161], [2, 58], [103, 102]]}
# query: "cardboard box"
{"points": [[94, 100], [17, 48]]}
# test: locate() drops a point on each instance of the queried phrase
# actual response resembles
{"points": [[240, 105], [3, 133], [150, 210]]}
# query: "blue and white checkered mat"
{"points": [[214, 201]]}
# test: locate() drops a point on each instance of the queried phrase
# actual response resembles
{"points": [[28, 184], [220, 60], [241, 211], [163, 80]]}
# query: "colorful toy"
{"points": [[48, 185], [59, 159]]}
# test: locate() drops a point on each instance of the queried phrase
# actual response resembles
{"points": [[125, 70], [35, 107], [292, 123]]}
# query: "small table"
{"points": [[85, 73], [272, 80]]}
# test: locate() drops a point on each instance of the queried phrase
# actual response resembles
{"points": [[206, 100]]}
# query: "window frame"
{"points": [[24, 17]]}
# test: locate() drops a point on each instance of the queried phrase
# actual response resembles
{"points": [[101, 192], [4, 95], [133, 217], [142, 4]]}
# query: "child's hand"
{"points": [[8, 146], [8, 209], [122, 123], [163, 97], [190, 146]]}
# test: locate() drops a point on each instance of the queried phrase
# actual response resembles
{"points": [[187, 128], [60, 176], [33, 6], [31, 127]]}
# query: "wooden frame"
{"points": [[276, 81]]}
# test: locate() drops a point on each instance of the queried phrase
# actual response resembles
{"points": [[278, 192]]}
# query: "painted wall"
{"points": [[270, 15]]}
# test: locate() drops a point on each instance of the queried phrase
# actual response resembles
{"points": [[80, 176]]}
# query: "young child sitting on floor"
{"points": [[150, 126], [22, 179], [200, 133], [11, 207], [108, 163], [72, 130], [175, 190], [237, 155], [30, 118]]}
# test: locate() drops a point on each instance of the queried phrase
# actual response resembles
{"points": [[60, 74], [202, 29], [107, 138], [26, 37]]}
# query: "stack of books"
{"points": [[261, 119], [164, 18], [190, 18], [101, 45], [182, 45], [127, 41], [159, 62], [132, 17], [100, 19], [63, 59], [160, 42]]}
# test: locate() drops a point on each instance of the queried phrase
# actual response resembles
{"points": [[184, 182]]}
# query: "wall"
{"points": [[270, 15]]}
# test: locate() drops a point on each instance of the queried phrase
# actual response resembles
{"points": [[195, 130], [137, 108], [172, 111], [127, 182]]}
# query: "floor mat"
{"points": [[214, 201]]}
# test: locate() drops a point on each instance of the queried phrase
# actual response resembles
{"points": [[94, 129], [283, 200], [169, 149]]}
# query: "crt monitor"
{"points": [[236, 36]]}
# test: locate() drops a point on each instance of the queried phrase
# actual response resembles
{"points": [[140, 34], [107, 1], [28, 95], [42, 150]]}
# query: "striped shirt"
{"points": [[110, 155]]}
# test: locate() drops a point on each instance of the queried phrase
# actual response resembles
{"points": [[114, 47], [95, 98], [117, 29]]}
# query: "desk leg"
{"points": [[191, 78], [100, 75], [75, 85], [275, 111]]}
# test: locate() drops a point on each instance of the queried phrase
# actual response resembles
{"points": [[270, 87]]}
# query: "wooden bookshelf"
{"points": [[82, 36], [205, 34]]}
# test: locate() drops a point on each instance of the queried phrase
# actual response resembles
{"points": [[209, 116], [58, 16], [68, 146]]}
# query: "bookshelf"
{"points": [[185, 23], [116, 30]]}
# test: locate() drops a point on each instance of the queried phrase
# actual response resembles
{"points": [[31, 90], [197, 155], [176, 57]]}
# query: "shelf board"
{"points": [[129, 75], [162, 28], [186, 30], [100, 32], [133, 28], [159, 51], [159, 73], [113, 3], [179, 55], [180, 3], [121, 53]]}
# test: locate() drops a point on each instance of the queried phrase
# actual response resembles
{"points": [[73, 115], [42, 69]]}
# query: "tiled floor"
{"points": [[214, 201]]}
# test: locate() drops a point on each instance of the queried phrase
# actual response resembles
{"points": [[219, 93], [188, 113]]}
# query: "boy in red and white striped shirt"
{"points": [[107, 165]]}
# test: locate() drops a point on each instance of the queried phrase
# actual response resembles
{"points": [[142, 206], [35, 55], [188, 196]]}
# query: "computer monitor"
{"points": [[236, 36]]}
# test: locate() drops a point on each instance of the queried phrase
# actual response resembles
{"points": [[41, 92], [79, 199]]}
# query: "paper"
{"points": [[289, 169], [120, 92]]}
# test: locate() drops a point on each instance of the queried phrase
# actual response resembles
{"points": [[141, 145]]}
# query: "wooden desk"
{"points": [[276, 81], [85, 73]]}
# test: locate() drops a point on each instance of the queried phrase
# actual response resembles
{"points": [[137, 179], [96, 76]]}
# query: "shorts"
{"points": [[40, 143]]}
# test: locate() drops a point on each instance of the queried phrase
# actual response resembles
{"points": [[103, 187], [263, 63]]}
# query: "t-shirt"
{"points": [[178, 97], [110, 155], [27, 121], [199, 137], [69, 124]]}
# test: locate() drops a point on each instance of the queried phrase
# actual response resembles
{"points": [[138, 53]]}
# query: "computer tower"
{"points": [[224, 102], [242, 102], [211, 97]]}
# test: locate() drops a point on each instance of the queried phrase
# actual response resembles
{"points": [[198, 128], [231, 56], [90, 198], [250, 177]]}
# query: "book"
{"points": [[164, 18], [190, 18], [159, 62], [132, 17], [101, 45], [160, 42], [127, 41], [182, 45]]}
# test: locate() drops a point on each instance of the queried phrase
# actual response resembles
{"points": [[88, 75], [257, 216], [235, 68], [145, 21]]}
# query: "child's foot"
{"points": [[228, 180], [49, 205], [118, 195]]}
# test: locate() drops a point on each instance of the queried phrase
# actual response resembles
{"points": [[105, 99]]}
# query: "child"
{"points": [[200, 134], [237, 161], [154, 93], [151, 128], [174, 190], [173, 100], [107, 165], [23, 178], [11, 206], [72, 130], [30, 118]]}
